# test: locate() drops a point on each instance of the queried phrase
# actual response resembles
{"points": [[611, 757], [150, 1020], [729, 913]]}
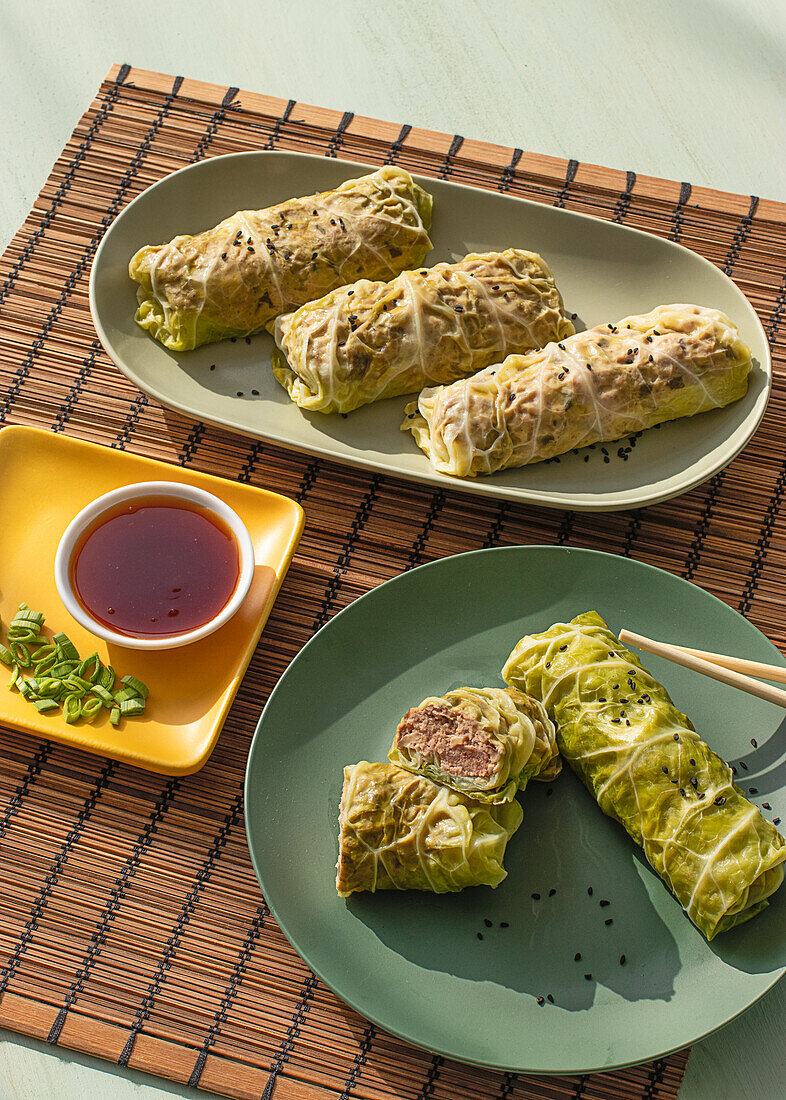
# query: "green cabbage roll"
{"points": [[375, 339], [486, 743], [646, 767], [596, 386], [399, 831], [234, 279]]}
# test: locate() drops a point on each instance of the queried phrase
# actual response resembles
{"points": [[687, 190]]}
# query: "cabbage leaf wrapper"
{"points": [[594, 387], [381, 339], [486, 743], [646, 767], [399, 831], [233, 280]]}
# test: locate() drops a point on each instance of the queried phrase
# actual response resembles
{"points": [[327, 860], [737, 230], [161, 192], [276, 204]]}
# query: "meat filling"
{"points": [[453, 740]]}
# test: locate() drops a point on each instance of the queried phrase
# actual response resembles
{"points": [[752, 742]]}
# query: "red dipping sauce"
{"points": [[155, 566]]}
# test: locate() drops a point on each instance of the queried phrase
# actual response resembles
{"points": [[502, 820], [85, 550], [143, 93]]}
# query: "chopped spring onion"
{"points": [[90, 708], [43, 705], [43, 653], [59, 677], [72, 708], [63, 668], [107, 677], [132, 706], [20, 653], [136, 686], [103, 695], [124, 695], [68, 650]]}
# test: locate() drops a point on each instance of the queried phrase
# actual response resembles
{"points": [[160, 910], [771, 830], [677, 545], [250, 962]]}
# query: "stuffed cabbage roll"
{"points": [[234, 279], [399, 831], [374, 339], [486, 743], [646, 767], [596, 386]]}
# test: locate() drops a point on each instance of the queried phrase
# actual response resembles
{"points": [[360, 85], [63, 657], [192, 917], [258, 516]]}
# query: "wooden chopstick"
{"points": [[699, 661]]}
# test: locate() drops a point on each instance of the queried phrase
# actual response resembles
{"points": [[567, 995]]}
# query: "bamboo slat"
{"points": [[131, 923]]}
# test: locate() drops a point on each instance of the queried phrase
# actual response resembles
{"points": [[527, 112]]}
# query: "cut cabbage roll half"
{"points": [[486, 743], [399, 831], [380, 339], [234, 279], [596, 386], [646, 767]]}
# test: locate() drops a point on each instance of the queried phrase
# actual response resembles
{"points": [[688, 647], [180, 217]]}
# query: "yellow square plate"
{"points": [[46, 480]]}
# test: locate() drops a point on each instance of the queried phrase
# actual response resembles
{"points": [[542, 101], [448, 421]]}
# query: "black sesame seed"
{"points": [[676, 737], [496, 286], [622, 960], [754, 742], [665, 770], [720, 800], [332, 221], [223, 255], [588, 977], [233, 339], [589, 891], [255, 393], [693, 781], [604, 903], [487, 922], [504, 924], [248, 339], [212, 366], [609, 921], [552, 892], [753, 790], [458, 309], [577, 957], [541, 1001], [480, 935], [776, 821], [313, 255], [549, 998], [693, 763], [535, 897], [766, 806], [586, 458], [239, 393], [733, 770], [743, 765], [701, 794]]}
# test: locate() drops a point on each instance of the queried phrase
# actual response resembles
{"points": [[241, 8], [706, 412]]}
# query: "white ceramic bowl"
{"points": [[178, 491]]}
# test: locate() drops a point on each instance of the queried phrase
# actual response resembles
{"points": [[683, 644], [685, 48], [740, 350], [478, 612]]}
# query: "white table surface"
{"points": [[692, 90]]}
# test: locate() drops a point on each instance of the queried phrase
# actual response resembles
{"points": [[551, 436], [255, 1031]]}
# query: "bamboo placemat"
{"points": [[131, 924]]}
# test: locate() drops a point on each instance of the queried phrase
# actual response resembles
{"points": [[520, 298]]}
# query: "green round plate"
{"points": [[414, 963]]}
